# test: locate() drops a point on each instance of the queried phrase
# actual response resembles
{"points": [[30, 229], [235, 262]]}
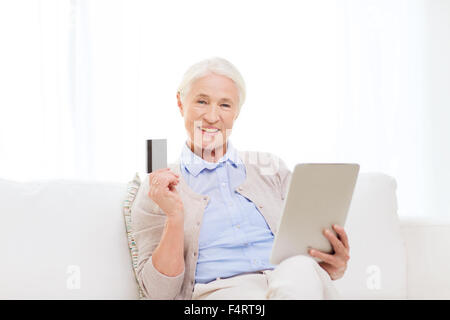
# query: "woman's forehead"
{"points": [[204, 95], [213, 86]]}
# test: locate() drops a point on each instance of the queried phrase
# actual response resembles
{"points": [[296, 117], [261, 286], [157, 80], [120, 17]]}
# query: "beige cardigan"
{"points": [[267, 180]]}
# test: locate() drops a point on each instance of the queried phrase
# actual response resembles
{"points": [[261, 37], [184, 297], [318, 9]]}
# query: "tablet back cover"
{"points": [[319, 196]]}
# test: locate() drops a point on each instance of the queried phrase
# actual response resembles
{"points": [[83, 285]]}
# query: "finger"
{"points": [[162, 172], [329, 258], [173, 173], [152, 175], [155, 179], [166, 178], [176, 174], [342, 235], [171, 176], [338, 246]]}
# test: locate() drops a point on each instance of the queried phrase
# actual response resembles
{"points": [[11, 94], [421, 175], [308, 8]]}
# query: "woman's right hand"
{"points": [[164, 194]]}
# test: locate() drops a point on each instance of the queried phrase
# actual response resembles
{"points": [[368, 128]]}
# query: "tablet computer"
{"points": [[319, 196]]}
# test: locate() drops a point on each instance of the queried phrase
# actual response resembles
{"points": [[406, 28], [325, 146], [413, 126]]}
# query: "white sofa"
{"points": [[64, 239]]}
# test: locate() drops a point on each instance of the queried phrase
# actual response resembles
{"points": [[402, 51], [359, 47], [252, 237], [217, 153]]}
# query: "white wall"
{"points": [[437, 111], [87, 82]]}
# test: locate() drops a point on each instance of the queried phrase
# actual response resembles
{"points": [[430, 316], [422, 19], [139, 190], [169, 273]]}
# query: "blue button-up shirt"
{"points": [[234, 236]]}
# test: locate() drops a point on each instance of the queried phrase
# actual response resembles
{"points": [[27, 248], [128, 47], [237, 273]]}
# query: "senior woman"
{"points": [[204, 226]]}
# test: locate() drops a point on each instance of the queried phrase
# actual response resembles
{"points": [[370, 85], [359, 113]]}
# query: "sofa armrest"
{"points": [[428, 257]]}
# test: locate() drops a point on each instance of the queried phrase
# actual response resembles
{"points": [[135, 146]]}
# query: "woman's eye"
{"points": [[201, 101], [225, 105]]}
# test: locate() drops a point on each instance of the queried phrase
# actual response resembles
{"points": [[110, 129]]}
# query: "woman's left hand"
{"points": [[335, 264]]}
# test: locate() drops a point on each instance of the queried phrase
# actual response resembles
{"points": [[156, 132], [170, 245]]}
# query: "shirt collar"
{"points": [[194, 164]]}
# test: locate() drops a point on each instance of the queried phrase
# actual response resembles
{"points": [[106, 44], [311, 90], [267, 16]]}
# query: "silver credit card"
{"points": [[156, 154]]}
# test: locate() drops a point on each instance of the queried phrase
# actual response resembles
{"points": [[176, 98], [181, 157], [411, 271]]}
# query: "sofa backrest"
{"points": [[66, 240]]}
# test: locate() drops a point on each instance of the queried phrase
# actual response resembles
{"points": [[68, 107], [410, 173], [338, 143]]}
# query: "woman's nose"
{"points": [[212, 115]]}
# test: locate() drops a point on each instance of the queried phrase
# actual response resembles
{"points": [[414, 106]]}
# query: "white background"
{"points": [[83, 85]]}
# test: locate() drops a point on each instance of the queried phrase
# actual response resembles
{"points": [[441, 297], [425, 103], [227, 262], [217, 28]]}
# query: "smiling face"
{"points": [[209, 110]]}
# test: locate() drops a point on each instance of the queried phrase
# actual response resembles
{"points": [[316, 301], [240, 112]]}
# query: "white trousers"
{"points": [[299, 277]]}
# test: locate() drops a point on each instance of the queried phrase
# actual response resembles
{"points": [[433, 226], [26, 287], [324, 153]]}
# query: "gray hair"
{"points": [[217, 66]]}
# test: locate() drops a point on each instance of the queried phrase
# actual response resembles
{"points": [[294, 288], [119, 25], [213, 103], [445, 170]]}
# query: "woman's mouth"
{"points": [[209, 131]]}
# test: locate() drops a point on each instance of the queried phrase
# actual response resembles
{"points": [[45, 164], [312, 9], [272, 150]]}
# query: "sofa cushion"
{"points": [[377, 265], [427, 240], [132, 189], [64, 240]]}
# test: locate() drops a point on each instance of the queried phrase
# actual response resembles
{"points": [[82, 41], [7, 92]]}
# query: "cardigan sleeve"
{"points": [[148, 221]]}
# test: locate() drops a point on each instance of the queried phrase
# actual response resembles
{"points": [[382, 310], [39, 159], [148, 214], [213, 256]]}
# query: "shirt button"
{"points": [[260, 207]]}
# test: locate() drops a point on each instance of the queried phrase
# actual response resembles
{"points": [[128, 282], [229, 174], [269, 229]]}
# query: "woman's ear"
{"points": [[180, 104]]}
